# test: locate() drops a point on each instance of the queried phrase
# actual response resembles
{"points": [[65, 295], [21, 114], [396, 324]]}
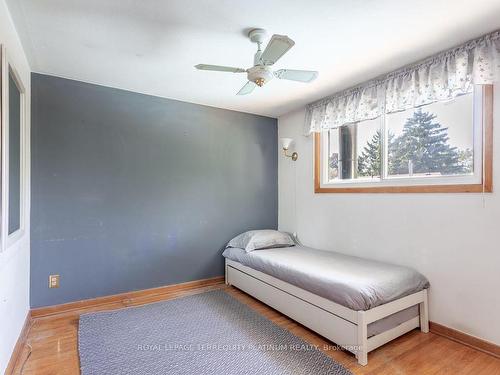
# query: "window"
{"points": [[434, 148], [354, 152]]}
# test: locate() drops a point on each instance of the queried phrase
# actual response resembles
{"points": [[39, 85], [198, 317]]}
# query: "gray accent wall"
{"points": [[131, 191]]}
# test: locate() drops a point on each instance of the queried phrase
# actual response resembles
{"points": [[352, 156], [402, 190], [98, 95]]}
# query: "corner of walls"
{"points": [[293, 177], [14, 261]]}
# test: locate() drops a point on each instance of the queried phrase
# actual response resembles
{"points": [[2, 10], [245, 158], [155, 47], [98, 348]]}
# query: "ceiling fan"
{"points": [[262, 72]]}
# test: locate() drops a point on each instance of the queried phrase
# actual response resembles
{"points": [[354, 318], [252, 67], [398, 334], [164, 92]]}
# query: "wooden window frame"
{"points": [[486, 184]]}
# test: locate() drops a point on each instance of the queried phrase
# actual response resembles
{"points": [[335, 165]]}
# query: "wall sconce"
{"points": [[286, 143]]}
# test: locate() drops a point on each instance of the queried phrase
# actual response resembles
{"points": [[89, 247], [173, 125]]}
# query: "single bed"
{"points": [[357, 303]]}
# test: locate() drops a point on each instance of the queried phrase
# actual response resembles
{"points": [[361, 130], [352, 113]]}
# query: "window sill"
{"points": [[462, 188]]}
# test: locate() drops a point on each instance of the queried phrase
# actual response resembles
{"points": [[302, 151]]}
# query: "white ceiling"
{"points": [[151, 46]]}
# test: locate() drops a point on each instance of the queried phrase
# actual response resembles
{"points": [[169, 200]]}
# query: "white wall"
{"points": [[453, 239], [14, 262]]}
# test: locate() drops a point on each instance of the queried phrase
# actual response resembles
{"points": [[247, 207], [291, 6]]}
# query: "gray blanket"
{"points": [[357, 283]]}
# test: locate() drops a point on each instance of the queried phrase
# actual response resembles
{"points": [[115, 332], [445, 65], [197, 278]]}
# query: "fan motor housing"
{"points": [[260, 74]]}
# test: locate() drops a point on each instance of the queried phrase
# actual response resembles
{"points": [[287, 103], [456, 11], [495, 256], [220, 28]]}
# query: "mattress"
{"points": [[356, 283]]}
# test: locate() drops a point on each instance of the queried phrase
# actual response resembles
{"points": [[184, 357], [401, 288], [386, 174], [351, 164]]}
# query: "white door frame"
{"points": [[8, 69]]}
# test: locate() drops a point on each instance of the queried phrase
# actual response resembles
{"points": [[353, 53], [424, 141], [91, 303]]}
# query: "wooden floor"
{"points": [[52, 344]]}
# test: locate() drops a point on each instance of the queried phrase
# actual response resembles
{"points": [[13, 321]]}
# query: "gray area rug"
{"points": [[208, 333]]}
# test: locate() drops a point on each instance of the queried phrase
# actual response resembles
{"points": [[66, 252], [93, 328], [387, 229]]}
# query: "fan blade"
{"points": [[219, 68], [247, 89], [277, 47], [296, 75]]}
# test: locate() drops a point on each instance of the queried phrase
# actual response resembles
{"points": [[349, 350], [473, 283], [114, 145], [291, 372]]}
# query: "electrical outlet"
{"points": [[54, 281]]}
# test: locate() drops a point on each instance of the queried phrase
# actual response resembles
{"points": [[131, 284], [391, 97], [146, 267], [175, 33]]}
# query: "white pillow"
{"points": [[261, 239]]}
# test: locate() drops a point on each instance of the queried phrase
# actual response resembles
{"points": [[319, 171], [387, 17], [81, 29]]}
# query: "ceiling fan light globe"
{"points": [[260, 75]]}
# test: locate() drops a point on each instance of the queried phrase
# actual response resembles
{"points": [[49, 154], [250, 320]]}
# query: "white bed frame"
{"points": [[341, 325]]}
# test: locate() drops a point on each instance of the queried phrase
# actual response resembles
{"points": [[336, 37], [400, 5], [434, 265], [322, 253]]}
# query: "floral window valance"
{"points": [[439, 78]]}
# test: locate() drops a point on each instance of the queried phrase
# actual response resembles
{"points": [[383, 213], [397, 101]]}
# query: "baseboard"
{"points": [[20, 343], [436, 328], [465, 339], [123, 297]]}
